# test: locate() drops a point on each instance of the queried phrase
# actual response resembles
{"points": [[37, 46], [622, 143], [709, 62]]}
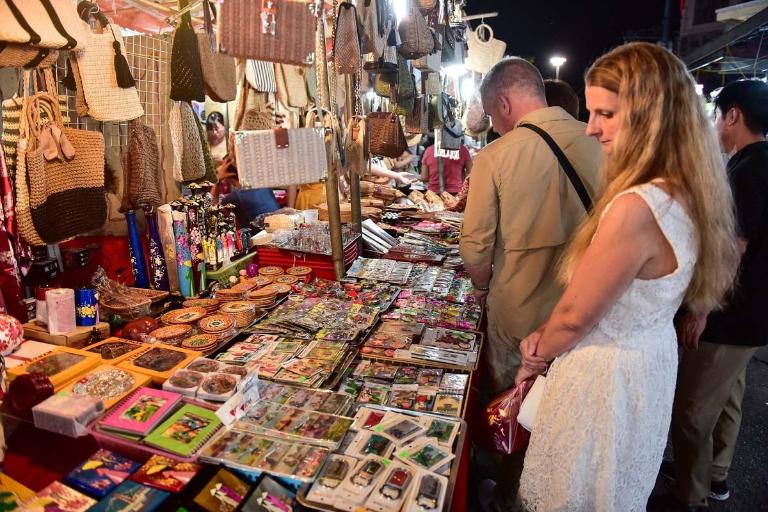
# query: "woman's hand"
{"points": [[404, 178], [689, 329], [531, 364]]}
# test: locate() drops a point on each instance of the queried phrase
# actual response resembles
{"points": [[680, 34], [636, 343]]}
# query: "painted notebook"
{"points": [[140, 412], [131, 496], [166, 473], [101, 473], [185, 431], [60, 498]]}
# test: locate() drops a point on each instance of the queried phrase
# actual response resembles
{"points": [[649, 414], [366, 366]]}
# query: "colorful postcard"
{"points": [[12, 493], [101, 473], [141, 411], [133, 497], [166, 473], [270, 496]]}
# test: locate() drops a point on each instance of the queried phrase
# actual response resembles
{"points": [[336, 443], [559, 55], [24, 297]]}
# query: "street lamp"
{"points": [[557, 62]]}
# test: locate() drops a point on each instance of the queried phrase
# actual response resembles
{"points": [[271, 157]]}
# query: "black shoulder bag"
{"points": [[581, 190]]}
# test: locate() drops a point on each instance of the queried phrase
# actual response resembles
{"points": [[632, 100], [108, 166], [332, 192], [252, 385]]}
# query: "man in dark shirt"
{"points": [[711, 376]]}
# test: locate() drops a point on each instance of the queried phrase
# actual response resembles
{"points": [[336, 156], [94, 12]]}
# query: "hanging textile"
{"points": [[157, 266], [138, 262], [10, 248]]}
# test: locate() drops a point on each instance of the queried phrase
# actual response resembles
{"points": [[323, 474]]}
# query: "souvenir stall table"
{"points": [[328, 364]]}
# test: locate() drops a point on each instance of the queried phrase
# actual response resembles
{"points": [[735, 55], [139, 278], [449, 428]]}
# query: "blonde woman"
{"points": [[662, 233]]}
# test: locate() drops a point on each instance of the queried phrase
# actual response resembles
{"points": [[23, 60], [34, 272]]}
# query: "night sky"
{"points": [[580, 30]]}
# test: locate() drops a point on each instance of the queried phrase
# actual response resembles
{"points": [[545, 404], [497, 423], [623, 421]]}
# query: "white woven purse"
{"points": [[105, 99], [273, 158], [483, 53], [42, 24]]}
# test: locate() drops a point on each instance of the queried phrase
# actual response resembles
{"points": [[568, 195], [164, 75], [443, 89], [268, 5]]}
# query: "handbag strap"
{"points": [[573, 176]]}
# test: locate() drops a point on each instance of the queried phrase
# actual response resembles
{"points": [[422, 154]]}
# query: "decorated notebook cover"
{"points": [[166, 473], [12, 493], [130, 496], [185, 431], [141, 411], [101, 473], [223, 493], [60, 498]]}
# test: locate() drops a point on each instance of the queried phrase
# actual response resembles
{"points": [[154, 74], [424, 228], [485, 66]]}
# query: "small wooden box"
{"points": [[78, 338]]}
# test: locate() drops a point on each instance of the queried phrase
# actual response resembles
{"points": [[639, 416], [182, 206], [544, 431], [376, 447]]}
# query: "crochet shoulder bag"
{"points": [[186, 68], [386, 134], [141, 168], [65, 169], [219, 71], [346, 45]]}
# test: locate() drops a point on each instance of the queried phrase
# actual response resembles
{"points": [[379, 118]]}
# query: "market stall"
{"points": [[322, 357]]}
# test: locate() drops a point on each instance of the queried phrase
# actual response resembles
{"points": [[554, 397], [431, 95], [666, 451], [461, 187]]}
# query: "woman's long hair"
{"points": [[665, 133]]}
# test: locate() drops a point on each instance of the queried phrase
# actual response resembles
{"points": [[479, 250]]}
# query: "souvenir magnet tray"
{"points": [[301, 495]]}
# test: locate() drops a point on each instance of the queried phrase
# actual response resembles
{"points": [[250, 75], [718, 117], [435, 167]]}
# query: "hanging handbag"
{"points": [[426, 6], [188, 158], [376, 22], [484, 51], [431, 63], [346, 45], [186, 67], [475, 119], [417, 121], [331, 128], [279, 157], [416, 36], [17, 55], [99, 81], [42, 24], [277, 31], [386, 134], [452, 134], [141, 168], [23, 215], [261, 75], [65, 168], [219, 71], [432, 85], [354, 146], [454, 50], [292, 85]]}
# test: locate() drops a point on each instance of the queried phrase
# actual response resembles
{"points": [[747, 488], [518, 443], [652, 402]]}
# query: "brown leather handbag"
{"points": [[280, 31], [417, 39], [346, 46], [386, 134]]}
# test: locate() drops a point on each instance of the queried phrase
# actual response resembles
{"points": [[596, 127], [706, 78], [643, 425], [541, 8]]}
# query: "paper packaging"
{"points": [[60, 304], [66, 414], [336, 469], [360, 482]]}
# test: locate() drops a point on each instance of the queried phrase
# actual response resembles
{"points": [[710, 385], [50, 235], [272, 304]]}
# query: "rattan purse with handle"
{"points": [[346, 45], [219, 71], [386, 134], [276, 31]]}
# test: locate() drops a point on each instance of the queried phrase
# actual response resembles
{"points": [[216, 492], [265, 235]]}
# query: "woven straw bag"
{"points": [[23, 216], [141, 167], [210, 168], [484, 53], [416, 120], [386, 134], [188, 158], [346, 45], [292, 85], [282, 31], [66, 192], [12, 108], [42, 24], [261, 75], [330, 126], [16, 55], [219, 74], [273, 158], [186, 68], [417, 38], [432, 84], [104, 99], [354, 146]]}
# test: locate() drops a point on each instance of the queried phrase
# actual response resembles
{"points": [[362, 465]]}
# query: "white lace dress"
{"points": [[602, 424]]}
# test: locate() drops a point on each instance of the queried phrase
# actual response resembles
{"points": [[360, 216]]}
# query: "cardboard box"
{"points": [[78, 338]]}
